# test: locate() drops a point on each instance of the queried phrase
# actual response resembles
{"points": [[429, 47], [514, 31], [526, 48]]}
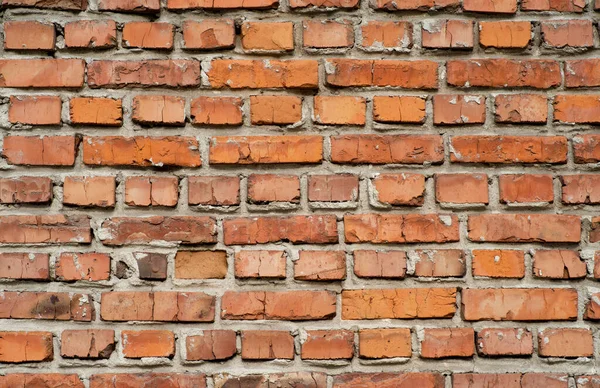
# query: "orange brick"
{"points": [[25, 346], [214, 190], [96, 34], [209, 34], [508, 149], [266, 149], [458, 109], [399, 109], [267, 345], [440, 263], [332, 188], [499, 263], [328, 345], [320, 265], [35, 110], [380, 264], [461, 188], [455, 34], [82, 266], [96, 111], [558, 264], [383, 149], [521, 108], [268, 36], [158, 110], [321, 34], [148, 35], [340, 110], [381, 36], [151, 190], [566, 342], [500, 6], [260, 264], [444, 343], [399, 189], [278, 110], [89, 191], [216, 110], [384, 343], [273, 188], [505, 34], [505, 342], [525, 188], [29, 35], [148, 343]]}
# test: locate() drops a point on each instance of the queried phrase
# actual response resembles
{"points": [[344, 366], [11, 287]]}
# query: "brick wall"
{"points": [[305, 193]]}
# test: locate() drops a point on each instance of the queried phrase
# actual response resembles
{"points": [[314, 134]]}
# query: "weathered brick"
{"points": [[148, 343], [577, 109], [582, 73], [45, 229], [278, 305], [533, 380], [444, 343], [29, 35], [265, 36], [508, 149], [317, 229], [384, 149], [328, 345], [524, 228], [151, 266], [553, 5], [266, 149], [93, 34], [40, 150], [34, 110], [129, 6], [461, 188], [260, 264], [397, 380], [332, 188], [158, 110], [320, 34], [148, 35], [519, 304], [525, 188], [290, 379], [20, 346], [386, 35], [521, 108], [25, 189], [458, 109], [42, 73], [320, 265], [59, 306], [89, 191], [440, 34], [399, 189], [87, 344], [399, 109], [504, 342], [211, 345], [498, 263], [214, 190], [585, 148], [568, 33], [339, 110], [440, 263], [208, 34], [216, 110], [502, 6], [151, 72], [505, 34], [566, 342], [277, 110], [577, 189], [200, 264], [110, 380], [221, 4], [380, 264], [400, 303], [384, 343], [558, 264], [82, 266], [25, 266], [267, 345], [151, 190]]}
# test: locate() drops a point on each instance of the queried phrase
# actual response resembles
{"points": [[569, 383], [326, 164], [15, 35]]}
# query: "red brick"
{"points": [[456, 34], [29, 35], [505, 34], [266, 149], [504, 342], [96, 111], [440, 263], [74, 5], [148, 380], [525, 188], [45, 229], [503, 73], [320, 265], [461, 188], [94, 34], [582, 73], [578, 109], [129, 6], [508, 149], [40, 150], [216, 110], [259, 74], [89, 191], [521, 108], [24, 266], [323, 3], [82, 266], [221, 4], [399, 189], [277, 110], [148, 35], [42, 73], [339, 110], [58, 306], [579, 189], [211, 345], [592, 307], [201, 265], [444, 343], [566, 342], [568, 33], [141, 151], [322, 34], [509, 380], [278, 305], [25, 189], [588, 381], [458, 109], [87, 344], [380, 264], [151, 190], [332, 188], [118, 231], [151, 72], [157, 306], [399, 109], [384, 343], [400, 303], [420, 74], [273, 188], [328, 345], [148, 343], [264, 36], [290, 379], [499, 263], [501, 6], [209, 34], [214, 190], [519, 304], [267, 345], [21, 346], [400, 228], [524, 228], [594, 235], [585, 148], [383, 149], [386, 35], [158, 110], [553, 5], [260, 264], [558, 264], [396, 380], [34, 110], [316, 229]]}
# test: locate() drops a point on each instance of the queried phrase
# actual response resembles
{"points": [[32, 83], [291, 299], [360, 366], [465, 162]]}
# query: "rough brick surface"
{"points": [[299, 194]]}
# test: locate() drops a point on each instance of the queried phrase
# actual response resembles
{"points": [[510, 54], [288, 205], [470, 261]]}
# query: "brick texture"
{"points": [[299, 194]]}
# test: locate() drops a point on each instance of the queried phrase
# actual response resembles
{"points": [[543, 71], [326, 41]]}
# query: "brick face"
{"points": [[302, 193]]}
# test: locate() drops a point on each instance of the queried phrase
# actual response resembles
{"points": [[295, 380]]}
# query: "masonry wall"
{"points": [[305, 193]]}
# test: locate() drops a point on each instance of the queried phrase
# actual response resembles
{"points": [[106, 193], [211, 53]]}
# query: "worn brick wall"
{"points": [[299, 194]]}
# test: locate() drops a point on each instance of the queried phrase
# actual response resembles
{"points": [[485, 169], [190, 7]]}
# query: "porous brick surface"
{"points": [[299, 194]]}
